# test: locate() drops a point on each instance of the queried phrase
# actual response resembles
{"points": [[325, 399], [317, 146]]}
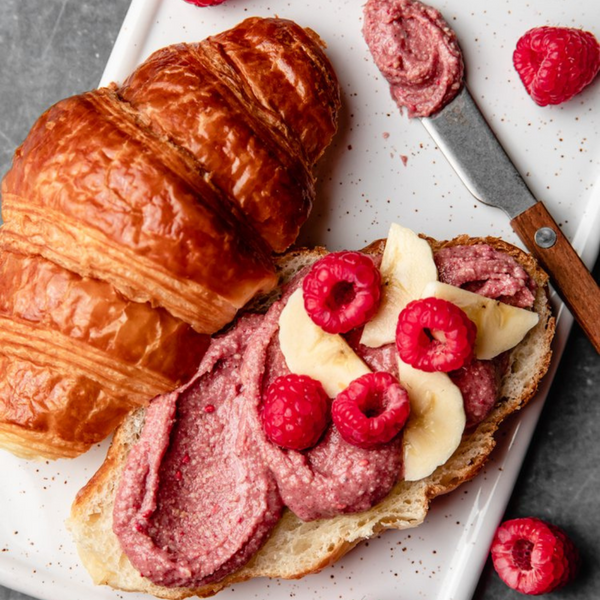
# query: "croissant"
{"points": [[139, 218], [76, 356]]}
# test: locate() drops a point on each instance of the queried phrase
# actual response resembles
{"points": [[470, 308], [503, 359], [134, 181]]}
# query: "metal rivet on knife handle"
{"points": [[545, 237]]}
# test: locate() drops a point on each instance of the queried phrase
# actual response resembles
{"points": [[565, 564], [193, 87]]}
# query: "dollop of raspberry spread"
{"points": [[205, 484], [486, 271], [416, 51]]}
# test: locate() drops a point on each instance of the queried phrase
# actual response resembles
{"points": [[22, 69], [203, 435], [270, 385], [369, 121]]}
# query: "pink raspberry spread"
{"points": [[205, 484], [478, 383], [192, 467], [416, 51], [486, 271]]}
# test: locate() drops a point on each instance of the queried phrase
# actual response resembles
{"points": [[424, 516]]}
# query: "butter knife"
{"points": [[465, 138]]}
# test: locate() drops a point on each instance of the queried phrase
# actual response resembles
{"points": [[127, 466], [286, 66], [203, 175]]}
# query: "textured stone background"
{"points": [[51, 49]]}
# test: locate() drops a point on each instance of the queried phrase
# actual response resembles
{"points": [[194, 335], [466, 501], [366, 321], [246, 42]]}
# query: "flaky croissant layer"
{"points": [[139, 218]]}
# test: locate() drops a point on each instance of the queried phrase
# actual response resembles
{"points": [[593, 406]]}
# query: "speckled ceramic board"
{"points": [[381, 168]]}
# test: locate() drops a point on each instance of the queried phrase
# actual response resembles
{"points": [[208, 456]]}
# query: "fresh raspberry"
{"points": [[556, 63], [342, 291], [371, 410], [435, 335], [295, 411], [204, 2], [534, 557]]}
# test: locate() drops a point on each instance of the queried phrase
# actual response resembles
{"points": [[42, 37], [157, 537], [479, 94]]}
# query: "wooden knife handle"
{"points": [[570, 277]]}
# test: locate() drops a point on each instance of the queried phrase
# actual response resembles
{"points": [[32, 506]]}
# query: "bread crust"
{"points": [[296, 548]]}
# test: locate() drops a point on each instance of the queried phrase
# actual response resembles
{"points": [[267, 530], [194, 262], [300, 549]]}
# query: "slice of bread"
{"points": [[296, 548]]}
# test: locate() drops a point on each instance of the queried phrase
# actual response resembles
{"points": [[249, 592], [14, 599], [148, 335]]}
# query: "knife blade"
{"points": [[471, 147]]}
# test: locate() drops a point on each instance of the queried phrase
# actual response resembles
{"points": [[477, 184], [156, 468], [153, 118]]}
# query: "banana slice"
{"points": [[406, 267], [436, 422], [500, 326], [308, 350]]}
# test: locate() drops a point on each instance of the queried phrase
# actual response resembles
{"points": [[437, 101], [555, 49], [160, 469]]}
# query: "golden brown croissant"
{"points": [[76, 356], [139, 218]]}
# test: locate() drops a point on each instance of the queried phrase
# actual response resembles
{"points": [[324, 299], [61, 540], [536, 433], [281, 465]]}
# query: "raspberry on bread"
{"points": [[342, 291], [435, 335], [295, 411], [371, 410]]}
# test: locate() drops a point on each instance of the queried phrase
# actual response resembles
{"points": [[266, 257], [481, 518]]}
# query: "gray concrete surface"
{"points": [[50, 49]]}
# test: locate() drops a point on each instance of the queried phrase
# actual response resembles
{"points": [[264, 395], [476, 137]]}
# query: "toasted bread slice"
{"points": [[296, 548]]}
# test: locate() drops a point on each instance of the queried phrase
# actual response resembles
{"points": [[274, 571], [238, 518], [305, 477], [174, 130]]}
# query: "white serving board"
{"points": [[381, 168]]}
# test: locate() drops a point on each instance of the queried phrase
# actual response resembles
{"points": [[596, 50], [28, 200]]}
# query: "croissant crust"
{"points": [[138, 218], [76, 355]]}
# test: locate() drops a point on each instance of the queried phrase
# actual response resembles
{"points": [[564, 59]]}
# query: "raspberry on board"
{"points": [[372, 410], [534, 557], [295, 411], [556, 63], [342, 291], [435, 335], [204, 2]]}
